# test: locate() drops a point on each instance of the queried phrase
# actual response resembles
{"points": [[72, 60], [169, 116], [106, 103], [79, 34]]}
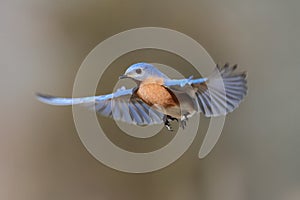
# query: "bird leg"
{"points": [[183, 120], [167, 123], [170, 118], [167, 119]]}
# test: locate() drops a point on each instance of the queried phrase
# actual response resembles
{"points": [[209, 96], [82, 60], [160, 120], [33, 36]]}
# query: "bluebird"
{"points": [[157, 99]]}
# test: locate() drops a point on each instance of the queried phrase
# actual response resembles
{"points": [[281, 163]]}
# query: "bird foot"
{"points": [[169, 127], [167, 120], [184, 120], [170, 119], [183, 123]]}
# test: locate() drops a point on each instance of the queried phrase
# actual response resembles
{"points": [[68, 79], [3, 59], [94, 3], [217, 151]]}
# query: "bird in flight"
{"points": [[157, 99]]}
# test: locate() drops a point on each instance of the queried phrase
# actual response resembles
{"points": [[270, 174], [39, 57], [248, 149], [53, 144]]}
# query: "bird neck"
{"points": [[153, 80]]}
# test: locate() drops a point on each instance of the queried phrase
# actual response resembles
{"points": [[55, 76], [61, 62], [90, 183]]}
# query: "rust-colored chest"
{"points": [[156, 94]]}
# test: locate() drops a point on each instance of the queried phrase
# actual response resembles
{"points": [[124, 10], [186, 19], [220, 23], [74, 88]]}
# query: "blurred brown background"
{"points": [[42, 46]]}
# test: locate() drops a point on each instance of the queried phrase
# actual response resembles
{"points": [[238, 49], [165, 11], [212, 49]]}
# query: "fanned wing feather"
{"points": [[217, 94], [222, 92]]}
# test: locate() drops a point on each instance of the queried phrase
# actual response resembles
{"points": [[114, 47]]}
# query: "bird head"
{"points": [[142, 71]]}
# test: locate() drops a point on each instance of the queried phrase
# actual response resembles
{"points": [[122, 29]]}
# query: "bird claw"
{"points": [[169, 127], [170, 119], [183, 121], [185, 117], [167, 120]]}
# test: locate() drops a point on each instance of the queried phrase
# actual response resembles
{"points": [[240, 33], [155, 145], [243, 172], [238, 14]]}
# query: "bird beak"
{"points": [[123, 76]]}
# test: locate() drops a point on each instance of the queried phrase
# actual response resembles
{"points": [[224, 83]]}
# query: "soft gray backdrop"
{"points": [[42, 44]]}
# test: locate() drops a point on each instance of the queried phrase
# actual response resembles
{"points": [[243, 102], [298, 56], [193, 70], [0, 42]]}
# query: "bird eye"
{"points": [[138, 71]]}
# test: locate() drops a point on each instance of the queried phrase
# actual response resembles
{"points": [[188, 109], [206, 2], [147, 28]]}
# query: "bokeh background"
{"points": [[43, 43]]}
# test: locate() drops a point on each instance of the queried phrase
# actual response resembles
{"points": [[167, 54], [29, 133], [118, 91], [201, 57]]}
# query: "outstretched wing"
{"points": [[123, 105], [217, 94], [183, 82]]}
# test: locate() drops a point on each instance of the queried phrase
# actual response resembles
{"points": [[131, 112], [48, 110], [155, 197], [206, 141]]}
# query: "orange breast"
{"points": [[154, 93]]}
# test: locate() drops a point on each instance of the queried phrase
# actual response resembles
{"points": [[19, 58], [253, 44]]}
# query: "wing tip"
{"points": [[52, 100], [44, 98]]}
